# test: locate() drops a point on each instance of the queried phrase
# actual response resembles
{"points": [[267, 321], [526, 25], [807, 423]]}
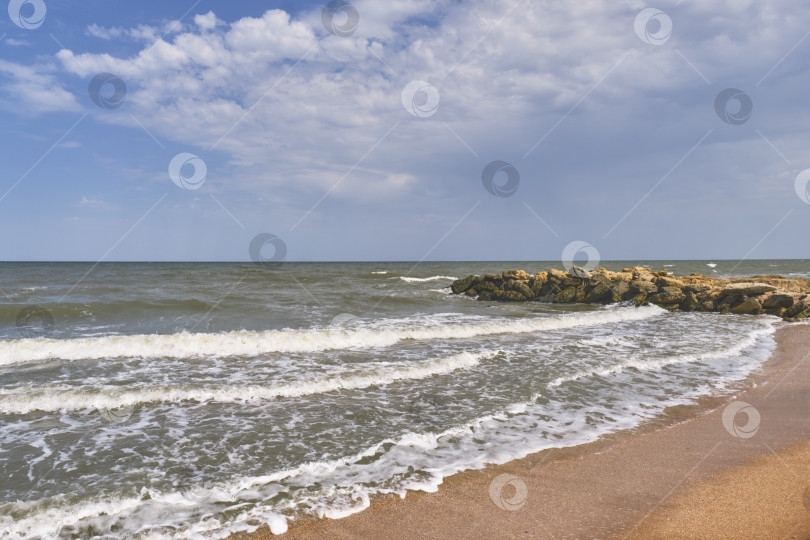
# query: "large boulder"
{"points": [[507, 296], [519, 287], [690, 301], [602, 293], [519, 275], [580, 273], [557, 275], [796, 310], [638, 285], [620, 290], [481, 287], [748, 288], [669, 281], [667, 296], [749, 306], [778, 301], [564, 296], [696, 286], [461, 285]]}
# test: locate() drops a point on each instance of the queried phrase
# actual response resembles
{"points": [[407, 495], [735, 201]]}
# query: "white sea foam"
{"points": [[711, 265], [656, 363], [381, 272], [255, 343], [431, 278], [65, 399]]}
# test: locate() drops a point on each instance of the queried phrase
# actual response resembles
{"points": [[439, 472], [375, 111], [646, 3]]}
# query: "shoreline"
{"points": [[621, 485]]}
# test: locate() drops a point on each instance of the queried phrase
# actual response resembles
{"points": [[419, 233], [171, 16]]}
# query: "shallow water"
{"points": [[193, 400]]}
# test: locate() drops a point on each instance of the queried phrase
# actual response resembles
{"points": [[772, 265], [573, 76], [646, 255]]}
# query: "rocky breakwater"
{"points": [[773, 295]]}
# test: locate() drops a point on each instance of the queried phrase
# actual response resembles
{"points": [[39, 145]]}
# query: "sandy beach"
{"points": [[690, 476]]}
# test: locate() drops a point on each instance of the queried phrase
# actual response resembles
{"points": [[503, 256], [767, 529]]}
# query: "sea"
{"points": [[195, 400]]}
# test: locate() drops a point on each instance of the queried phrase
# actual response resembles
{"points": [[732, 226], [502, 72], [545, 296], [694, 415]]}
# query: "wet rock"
{"points": [[639, 299], [599, 294], [795, 310], [667, 295], [778, 301], [619, 289], [461, 285], [518, 287], [484, 286], [690, 301], [774, 295], [564, 296], [748, 306], [507, 296]]}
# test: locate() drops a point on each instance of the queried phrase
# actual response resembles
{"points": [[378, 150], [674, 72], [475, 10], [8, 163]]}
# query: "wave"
{"points": [[382, 272], [642, 365], [62, 399], [431, 278], [247, 343]]}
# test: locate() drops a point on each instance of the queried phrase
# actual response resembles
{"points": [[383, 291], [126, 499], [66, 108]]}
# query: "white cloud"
{"points": [[17, 42], [33, 90]]}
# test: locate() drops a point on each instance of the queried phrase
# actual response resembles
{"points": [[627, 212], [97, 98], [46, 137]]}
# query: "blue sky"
{"points": [[606, 113]]}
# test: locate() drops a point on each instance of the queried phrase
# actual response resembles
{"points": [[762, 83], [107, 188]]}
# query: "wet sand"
{"points": [[689, 479]]}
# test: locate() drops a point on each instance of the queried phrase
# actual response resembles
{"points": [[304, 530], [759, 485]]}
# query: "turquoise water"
{"points": [[194, 400]]}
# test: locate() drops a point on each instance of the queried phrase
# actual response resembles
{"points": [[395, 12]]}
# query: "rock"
{"points": [[667, 295], [778, 301], [749, 306], [690, 302], [519, 275], [696, 287], [461, 285], [748, 288], [619, 289], [564, 296], [648, 287], [600, 293], [705, 305], [507, 296], [519, 287], [643, 276], [795, 310], [537, 281], [581, 273], [668, 281], [484, 286], [603, 274], [640, 299], [774, 295], [727, 302]]}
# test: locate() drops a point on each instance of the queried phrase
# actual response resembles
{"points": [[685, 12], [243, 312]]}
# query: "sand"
{"points": [[680, 479]]}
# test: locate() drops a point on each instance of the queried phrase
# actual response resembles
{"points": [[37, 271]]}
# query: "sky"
{"points": [[404, 130]]}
